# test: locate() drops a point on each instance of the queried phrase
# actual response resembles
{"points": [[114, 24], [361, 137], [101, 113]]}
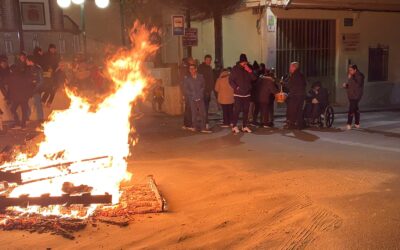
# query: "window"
{"points": [[378, 64]]}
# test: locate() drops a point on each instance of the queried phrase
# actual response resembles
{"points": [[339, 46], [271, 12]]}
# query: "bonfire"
{"points": [[81, 163]]}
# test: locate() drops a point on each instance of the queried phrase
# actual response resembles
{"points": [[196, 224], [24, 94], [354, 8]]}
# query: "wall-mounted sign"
{"points": [[35, 14], [190, 39], [351, 42], [178, 25], [271, 23]]}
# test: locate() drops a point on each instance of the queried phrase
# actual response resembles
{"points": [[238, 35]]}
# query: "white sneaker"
{"points": [[235, 130], [266, 126], [191, 129], [357, 126], [246, 130], [348, 127], [206, 131]]}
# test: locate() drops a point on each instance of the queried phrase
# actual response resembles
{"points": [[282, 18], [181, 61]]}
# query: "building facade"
{"points": [[39, 23], [324, 38]]}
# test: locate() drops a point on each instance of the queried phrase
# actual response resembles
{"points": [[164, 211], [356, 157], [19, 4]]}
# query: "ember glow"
{"points": [[79, 133]]}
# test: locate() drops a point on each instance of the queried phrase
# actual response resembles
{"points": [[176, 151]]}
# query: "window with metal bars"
{"points": [[311, 42], [378, 64]]}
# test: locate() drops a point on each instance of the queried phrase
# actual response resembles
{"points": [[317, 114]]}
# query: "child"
{"points": [[316, 102], [158, 96]]}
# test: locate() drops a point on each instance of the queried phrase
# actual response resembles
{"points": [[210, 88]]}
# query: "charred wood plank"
{"points": [[10, 177], [47, 200]]}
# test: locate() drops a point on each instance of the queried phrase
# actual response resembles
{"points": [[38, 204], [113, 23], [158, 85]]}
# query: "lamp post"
{"points": [[67, 3]]}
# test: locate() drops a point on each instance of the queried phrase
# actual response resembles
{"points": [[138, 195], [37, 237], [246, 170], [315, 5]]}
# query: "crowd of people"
{"points": [[249, 91], [37, 77]]}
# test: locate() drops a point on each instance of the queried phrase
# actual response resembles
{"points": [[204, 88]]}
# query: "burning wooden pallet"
{"points": [[137, 199]]}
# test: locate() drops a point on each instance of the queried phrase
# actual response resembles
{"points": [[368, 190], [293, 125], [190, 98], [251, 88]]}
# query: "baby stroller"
{"points": [[317, 110]]}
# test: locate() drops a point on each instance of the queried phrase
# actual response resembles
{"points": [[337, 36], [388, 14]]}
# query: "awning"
{"points": [[354, 5]]}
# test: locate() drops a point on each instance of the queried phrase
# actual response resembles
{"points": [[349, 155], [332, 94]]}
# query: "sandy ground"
{"points": [[273, 189]]}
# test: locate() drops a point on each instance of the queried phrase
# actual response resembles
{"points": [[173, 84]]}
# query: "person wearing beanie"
{"points": [[240, 79]]}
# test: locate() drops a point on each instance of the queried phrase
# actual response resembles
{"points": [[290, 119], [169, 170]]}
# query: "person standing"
{"points": [[225, 98], [51, 59], [206, 70], [297, 93], [4, 72], [38, 57], [355, 90], [194, 85], [187, 112], [36, 76], [240, 80], [58, 80], [19, 90], [266, 90]]}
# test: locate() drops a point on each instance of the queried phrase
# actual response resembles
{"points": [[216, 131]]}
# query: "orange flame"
{"points": [[81, 133]]}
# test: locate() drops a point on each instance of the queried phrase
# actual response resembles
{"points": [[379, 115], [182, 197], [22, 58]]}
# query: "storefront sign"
{"points": [[351, 42], [178, 25], [190, 39]]}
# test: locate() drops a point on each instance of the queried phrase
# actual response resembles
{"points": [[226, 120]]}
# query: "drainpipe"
{"points": [[17, 12]]}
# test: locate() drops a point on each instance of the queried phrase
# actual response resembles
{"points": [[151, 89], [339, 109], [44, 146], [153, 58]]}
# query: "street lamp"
{"points": [[67, 3]]}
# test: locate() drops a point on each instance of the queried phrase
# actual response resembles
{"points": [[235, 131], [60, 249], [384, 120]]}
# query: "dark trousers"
{"points": [[241, 105], [227, 110], [207, 100], [256, 112], [187, 115], [265, 109], [271, 110], [294, 112], [25, 111], [354, 110], [198, 114]]}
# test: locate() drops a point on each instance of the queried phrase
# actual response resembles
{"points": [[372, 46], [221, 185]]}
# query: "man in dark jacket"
{"points": [[38, 57], [206, 70], [187, 113], [266, 90], [51, 59], [355, 90], [20, 89], [297, 92], [194, 85], [240, 79]]}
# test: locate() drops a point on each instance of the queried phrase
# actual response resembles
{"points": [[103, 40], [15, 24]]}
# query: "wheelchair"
{"points": [[326, 118]]}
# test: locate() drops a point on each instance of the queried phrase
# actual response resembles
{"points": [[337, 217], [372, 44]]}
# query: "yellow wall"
{"points": [[375, 28], [239, 36]]}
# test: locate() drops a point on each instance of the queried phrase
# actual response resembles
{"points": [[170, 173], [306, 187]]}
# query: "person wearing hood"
{"points": [[225, 97], [355, 90], [241, 79]]}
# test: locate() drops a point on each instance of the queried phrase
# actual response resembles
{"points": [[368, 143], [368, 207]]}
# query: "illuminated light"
{"points": [[64, 3], [102, 3], [78, 1]]}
